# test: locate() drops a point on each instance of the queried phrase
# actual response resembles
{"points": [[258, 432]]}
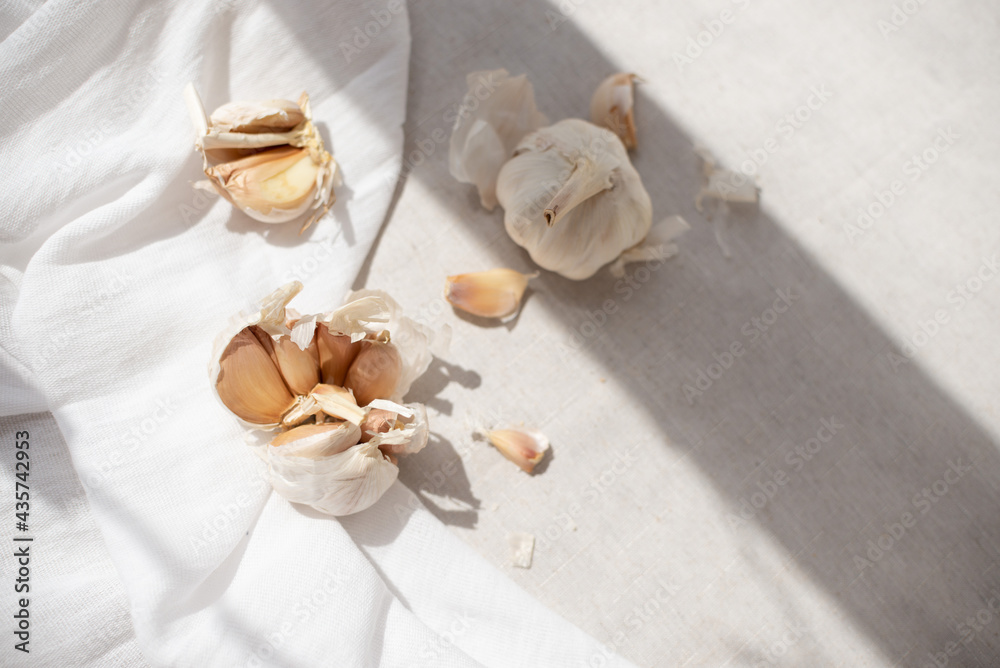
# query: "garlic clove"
{"points": [[248, 382], [273, 186], [317, 440], [336, 352], [572, 198], [408, 435], [257, 117], [489, 294], [496, 112], [378, 421], [612, 106], [524, 447], [298, 367], [375, 372], [338, 402]]}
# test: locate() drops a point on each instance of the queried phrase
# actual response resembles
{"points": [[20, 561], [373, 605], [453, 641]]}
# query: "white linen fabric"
{"points": [[116, 277]]}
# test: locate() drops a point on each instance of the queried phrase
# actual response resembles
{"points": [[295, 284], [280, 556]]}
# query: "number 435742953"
{"points": [[21, 473]]}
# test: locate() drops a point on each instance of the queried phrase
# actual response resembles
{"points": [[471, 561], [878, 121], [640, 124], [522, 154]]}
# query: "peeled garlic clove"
{"points": [[572, 199], [336, 352], [249, 383], [375, 372], [497, 111], [524, 447], [338, 402], [489, 294], [612, 106], [338, 484], [274, 186], [257, 117], [317, 440]]}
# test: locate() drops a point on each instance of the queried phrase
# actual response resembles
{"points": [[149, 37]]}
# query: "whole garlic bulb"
{"points": [[572, 199], [266, 158], [295, 383]]}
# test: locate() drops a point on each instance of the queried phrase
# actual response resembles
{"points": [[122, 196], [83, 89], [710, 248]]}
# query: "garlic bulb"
{"points": [[572, 198], [321, 394], [489, 294], [497, 111], [612, 107], [266, 158]]}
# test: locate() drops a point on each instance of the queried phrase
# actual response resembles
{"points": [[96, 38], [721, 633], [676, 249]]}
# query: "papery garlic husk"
{"points": [[524, 447], [311, 436], [495, 293], [658, 246], [266, 158], [572, 199], [497, 112], [612, 105], [723, 184]]}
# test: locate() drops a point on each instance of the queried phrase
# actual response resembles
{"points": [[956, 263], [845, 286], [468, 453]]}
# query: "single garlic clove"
{"points": [[496, 112], [274, 186], [336, 352], [524, 447], [248, 382], [257, 117], [317, 440], [612, 106], [375, 372], [338, 402], [378, 421], [298, 367], [489, 294]]}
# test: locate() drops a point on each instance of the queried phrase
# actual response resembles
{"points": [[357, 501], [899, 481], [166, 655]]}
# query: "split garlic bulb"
{"points": [[572, 199], [321, 395], [497, 111], [266, 158]]}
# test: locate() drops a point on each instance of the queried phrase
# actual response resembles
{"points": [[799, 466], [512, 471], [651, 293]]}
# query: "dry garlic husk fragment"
{"points": [[525, 447], [266, 158], [321, 395], [612, 106], [495, 293], [723, 184], [497, 111], [572, 199]]}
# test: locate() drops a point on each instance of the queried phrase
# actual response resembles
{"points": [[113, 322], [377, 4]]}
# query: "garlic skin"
{"points": [[266, 158], [496, 112], [572, 199], [612, 106], [304, 418], [495, 293]]}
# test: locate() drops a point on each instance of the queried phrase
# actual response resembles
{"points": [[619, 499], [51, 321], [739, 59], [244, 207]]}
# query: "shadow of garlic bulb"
{"points": [[321, 395]]}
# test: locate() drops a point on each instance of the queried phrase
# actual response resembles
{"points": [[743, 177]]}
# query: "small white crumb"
{"points": [[522, 547]]}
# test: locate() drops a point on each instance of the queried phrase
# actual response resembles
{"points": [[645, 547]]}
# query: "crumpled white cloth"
{"points": [[116, 275]]}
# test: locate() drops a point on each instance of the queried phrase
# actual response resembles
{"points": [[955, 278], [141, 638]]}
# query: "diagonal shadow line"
{"points": [[823, 359]]}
